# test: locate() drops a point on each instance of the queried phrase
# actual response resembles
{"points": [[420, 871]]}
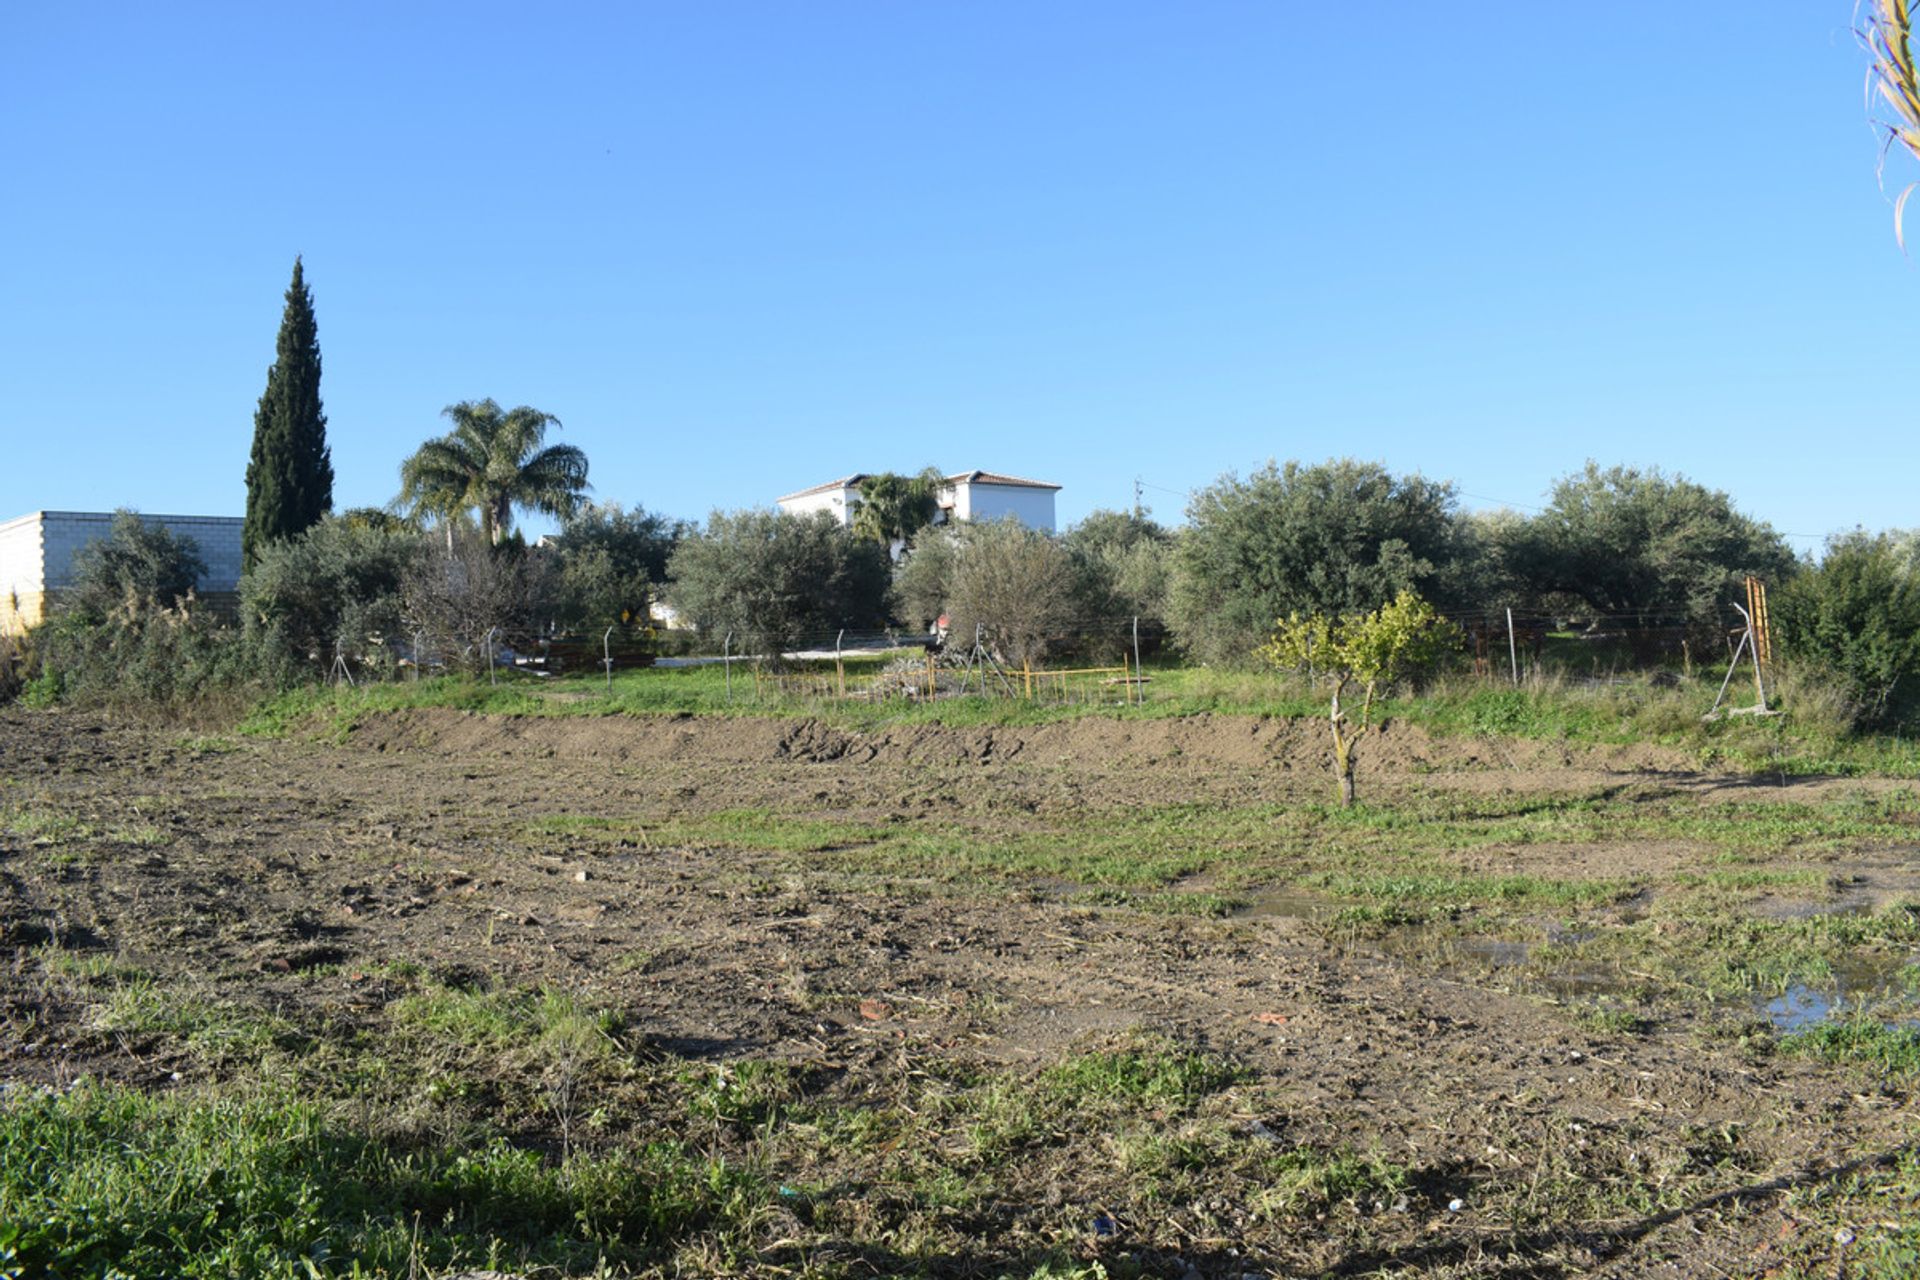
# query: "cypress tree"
{"points": [[290, 475]]}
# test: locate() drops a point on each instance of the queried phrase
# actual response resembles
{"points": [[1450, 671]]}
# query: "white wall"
{"points": [[1030, 506], [20, 578], [835, 502]]}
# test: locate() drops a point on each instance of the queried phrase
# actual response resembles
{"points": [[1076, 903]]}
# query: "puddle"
{"points": [[1855, 986], [1288, 906]]}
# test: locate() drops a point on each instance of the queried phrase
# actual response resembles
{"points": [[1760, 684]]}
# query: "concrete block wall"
{"points": [[37, 552]]}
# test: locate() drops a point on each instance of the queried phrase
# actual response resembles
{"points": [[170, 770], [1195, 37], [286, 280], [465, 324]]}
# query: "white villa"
{"points": [[968, 495]]}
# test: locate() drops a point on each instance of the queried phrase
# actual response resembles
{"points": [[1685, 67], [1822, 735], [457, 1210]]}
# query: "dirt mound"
{"points": [[1207, 742]]}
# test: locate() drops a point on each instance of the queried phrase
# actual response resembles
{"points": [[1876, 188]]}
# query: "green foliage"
{"points": [[290, 472], [336, 584], [893, 508], [104, 1181], [923, 578], [1397, 640], [1125, 563], [1333, 539], [138, 567], [175, 658], [129, 629], [1644, 548], [1858, 616], [1373, 650], [1016, 586], [610, 562], [773, 578], [492, 462]]}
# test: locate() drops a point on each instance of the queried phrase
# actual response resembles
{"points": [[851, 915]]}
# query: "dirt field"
{"points": [[1551, 1087]]}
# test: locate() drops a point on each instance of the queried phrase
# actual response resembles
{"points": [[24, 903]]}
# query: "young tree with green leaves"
{"points": [[491, 462], [290, 472], [1371, 650]]}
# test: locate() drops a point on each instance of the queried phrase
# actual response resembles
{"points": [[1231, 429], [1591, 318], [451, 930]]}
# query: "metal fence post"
{"points": [[1138, 673], [726, 661], [492, 678], [606, 651]]}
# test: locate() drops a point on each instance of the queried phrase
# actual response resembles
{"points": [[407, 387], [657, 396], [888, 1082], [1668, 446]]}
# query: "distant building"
{"points": [[37, 550], [968, 495]]}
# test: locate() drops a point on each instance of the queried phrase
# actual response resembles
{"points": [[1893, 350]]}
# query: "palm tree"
{"points": [[492, 462], [1886, 34], [895, 507]]}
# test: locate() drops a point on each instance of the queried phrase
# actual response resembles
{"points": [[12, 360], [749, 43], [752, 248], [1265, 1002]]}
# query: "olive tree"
{"points": [[1015, 587], [1646, 549], [1336, 538], [773, 578]]}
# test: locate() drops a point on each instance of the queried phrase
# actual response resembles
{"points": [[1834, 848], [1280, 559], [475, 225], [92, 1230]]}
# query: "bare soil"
{"points": [[293, 873]]}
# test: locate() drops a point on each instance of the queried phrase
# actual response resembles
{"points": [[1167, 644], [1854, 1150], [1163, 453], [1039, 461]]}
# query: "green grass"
{"points": [[1152, 1073], [1885, 1050], [107, 1181], [1628, 710], [1452, 891], [45, 826]]}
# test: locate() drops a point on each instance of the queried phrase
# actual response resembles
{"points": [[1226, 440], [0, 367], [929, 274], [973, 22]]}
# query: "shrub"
{"points": [[335, 587], [1645, 549], [1017, 586], [1858, 616], [1124, 560], [457, 594], [136, 567], [611, 560]]}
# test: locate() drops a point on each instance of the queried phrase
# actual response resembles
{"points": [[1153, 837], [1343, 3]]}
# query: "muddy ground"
{"points": [[301, 874]]}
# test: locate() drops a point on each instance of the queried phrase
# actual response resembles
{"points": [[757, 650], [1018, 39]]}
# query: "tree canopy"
{"points": [[492, 462], [290, 471], [1373, 650], [1644, 548], [894, 507], [1858, 616], [1337, 538], [774, 579]]}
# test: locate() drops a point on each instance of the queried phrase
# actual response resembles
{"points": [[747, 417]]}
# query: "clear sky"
{"points": [[743, 248]]}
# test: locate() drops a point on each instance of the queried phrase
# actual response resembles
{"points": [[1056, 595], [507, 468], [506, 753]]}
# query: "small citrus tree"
{"points": [[1370, 650]]}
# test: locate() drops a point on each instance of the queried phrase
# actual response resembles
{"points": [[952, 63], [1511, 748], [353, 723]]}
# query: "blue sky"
{"points": [[742, 248]]}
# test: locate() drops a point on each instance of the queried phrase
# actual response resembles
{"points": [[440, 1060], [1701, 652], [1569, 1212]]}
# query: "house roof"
{"points": [[959, 477], [994, 477], [844, 482]]}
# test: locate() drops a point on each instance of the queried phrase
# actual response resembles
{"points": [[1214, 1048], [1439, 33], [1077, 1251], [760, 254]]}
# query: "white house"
{"points": [[37, 550], [967, 495]]}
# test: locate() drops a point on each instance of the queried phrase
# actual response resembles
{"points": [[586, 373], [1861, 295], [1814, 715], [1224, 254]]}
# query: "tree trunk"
{"points": [[1342, 749]]}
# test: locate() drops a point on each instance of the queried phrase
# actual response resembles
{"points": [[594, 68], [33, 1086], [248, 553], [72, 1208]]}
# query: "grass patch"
{"points": [[1601, 712], [1151, 1073], [1881, 1048], [105, 1181]]}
